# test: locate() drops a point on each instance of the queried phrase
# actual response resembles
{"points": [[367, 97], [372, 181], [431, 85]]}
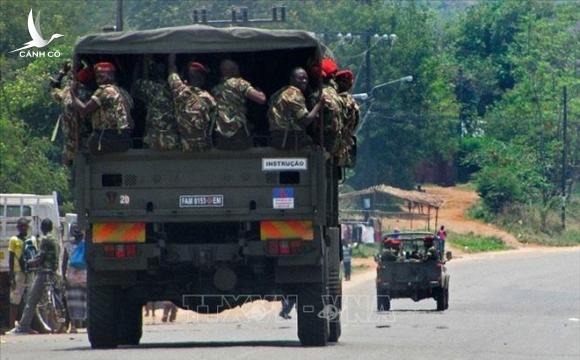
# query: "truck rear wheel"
{"points": [[103, 316], [441, 298], [335, 291], [130, 324], [383, 302], [313, 324]]}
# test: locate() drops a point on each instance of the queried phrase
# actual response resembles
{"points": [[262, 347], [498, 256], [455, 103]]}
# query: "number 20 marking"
{"points": [[124, 199]]}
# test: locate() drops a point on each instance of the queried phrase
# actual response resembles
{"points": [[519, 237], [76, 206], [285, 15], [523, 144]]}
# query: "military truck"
{"points": [[209, 230], [407, 267]]}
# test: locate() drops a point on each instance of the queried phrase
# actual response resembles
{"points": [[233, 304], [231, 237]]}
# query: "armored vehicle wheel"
{"points": [[441, 298], [313, 325], [130, 324], [383, 302], [103, 316]]}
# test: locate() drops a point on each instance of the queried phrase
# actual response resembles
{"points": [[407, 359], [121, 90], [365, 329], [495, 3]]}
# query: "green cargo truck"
{"points": [[209, 230]]}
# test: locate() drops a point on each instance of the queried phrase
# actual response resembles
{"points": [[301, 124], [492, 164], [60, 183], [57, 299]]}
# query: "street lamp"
{"points": [[369, 96], [364, 97]]}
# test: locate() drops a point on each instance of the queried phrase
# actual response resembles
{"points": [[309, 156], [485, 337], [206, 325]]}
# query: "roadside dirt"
{"points": [[452, 214]]}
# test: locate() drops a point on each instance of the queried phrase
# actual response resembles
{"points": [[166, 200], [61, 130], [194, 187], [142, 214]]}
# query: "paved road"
{"points": [[505, 306]]}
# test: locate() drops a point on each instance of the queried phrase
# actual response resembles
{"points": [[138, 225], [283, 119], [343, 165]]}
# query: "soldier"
{"points": [[72, 124], [194, 108], [110, 110], [231, 94], [430, 251], [350, 115], [160, 125], [332, 119], [288, 115]]}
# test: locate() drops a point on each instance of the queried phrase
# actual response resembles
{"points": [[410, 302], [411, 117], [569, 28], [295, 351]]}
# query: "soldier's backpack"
{"points": [[29, 251]]}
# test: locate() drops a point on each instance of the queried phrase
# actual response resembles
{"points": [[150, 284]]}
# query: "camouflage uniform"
{"points": [[194, 110], [285, 115], [114, 111], [72, 124], [160, 125], [351, 117], [287, 109], [230, 95], [332, 118]]}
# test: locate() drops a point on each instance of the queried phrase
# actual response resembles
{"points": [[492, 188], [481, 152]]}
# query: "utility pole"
{"points": [[564, 154], [119, 17], [369, 84]]}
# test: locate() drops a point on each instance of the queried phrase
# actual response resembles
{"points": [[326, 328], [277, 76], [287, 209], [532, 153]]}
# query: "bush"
{"points": [[498, 187]]}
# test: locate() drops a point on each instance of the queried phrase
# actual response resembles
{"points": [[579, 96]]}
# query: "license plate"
{"points": [[195, 201]]}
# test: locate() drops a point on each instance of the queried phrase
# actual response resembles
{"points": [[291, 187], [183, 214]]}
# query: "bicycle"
{"points": [[51, 309]]}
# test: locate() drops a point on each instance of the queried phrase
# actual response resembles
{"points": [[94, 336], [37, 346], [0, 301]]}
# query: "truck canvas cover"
{"points": [[195, 38]]}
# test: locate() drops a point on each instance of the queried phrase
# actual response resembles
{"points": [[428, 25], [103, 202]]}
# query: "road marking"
{"points": [[573, 319]]}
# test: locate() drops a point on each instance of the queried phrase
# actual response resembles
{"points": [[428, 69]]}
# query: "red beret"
{"points": [[346, 73], [392, 242], [329, 67], [104, 66], [198, 67], [85, 75]]}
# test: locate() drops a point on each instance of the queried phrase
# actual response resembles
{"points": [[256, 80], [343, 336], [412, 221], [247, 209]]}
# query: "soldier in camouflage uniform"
{"points": [[288, 115], [231, 94], [194, 107], [332, 111], [350, 116], [109, 108], [160, 125], [72, 124]]}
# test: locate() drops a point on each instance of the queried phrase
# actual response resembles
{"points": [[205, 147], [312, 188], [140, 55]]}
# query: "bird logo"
{"points": [[34, 31]]}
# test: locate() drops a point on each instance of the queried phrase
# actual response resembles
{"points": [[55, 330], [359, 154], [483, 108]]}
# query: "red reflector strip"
{"points": [[131, 250], [273, 248], [109, 250], [284, 247], [295, 246], [120, 251]]}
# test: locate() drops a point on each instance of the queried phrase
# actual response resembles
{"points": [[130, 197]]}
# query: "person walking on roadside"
{"points": [[441, 235], [74, 269], [347, 260], [288, 303]]}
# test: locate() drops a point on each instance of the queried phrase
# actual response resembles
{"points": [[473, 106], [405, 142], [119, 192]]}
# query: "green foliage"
{"points": [[364, 250], [24, 167], [472, 243], [487, 90]]}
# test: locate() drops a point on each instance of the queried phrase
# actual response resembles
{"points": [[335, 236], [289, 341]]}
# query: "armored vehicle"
{"points": [[209, 230], [410, 266]]}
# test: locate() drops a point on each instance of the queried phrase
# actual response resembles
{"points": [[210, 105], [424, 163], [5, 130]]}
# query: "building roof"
{"points": [[408, 195]]}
